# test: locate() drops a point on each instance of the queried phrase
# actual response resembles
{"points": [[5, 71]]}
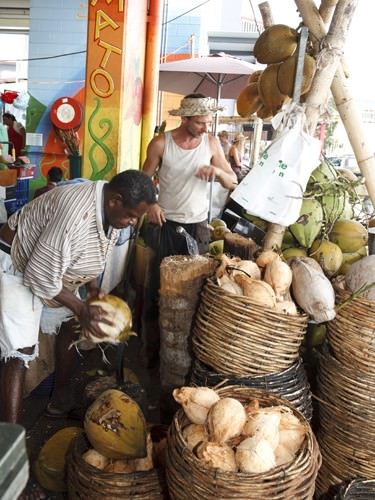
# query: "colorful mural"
{"points": [[114, 86]]}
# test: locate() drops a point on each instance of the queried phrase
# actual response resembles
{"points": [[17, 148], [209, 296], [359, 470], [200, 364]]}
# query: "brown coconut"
{"points": [[268, 89], [275, 44], [248, 102], [264, 112], [286, 75], [254, 77]]}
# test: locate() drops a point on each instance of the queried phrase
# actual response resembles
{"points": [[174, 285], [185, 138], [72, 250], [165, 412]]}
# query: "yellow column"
{"points": [[150, 95]]}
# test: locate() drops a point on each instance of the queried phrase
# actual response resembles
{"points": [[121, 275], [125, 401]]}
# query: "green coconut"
{"points": [[349, 235], [328, 255], [349, 258], [309, 223], [323, 174]]}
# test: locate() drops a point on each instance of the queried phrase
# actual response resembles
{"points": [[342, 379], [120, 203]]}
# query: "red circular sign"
{"points": [[66, 113]]}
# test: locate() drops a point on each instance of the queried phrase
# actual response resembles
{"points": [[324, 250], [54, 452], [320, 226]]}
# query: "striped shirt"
{"points": [[60, 239]]}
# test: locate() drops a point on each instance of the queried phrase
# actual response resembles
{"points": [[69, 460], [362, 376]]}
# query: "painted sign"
{"points": [[114, 86]]}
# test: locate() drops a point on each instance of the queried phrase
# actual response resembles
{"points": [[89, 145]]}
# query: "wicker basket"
{"points": [[351, 334], [233, 335], [85, 481], [290, 384], [347, 422], [187, 479], [358, 489]]}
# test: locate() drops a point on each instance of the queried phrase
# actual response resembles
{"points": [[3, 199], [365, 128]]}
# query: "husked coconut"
{"points": [[120, 466], [263, 424], [255, 456], [266, 257], [258, 291], [196, 402], [194, 434], [246, 266], [229, 285], [292, 431], [279, 275], [312, 291], [95, 459], [286, 307], [217, 456], [225, 420], [360, 275], [145, 464]]}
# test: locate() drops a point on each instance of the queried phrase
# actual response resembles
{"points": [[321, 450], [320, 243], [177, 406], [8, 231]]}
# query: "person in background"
{"points": [[236, 152], [186, 159], [16, 134], [54, 175], [225, 144], [48, 249]]}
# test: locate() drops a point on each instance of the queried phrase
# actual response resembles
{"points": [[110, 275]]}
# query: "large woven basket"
{"points": [[233, 335], [351, 334], [346, 433], [188, 480], [87, 482], [291, 384]]}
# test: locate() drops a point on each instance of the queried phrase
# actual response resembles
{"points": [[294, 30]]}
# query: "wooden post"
{"points": [[346, 107]]}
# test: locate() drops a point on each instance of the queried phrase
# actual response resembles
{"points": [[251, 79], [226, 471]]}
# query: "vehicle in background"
{"points": [[347, 161]]}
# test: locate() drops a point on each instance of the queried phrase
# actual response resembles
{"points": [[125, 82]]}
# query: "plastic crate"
{"points": [[10, 206], [22, 192]]}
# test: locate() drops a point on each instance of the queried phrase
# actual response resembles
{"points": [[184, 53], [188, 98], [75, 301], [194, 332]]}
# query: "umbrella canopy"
{"points": [[218, 75]]}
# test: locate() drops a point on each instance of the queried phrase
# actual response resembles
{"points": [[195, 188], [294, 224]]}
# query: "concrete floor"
{"points": [[90, 367]]}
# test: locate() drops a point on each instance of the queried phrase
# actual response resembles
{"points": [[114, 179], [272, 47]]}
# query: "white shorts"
{"points": [[21, 313]]}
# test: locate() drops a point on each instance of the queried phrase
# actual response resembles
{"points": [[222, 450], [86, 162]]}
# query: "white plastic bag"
{"points": [[274, 188]]}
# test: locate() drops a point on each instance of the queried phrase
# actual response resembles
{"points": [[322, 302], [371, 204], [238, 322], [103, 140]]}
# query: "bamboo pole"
{"points": [[345, 104], [326, 9], [328, 60], [275, 232]]}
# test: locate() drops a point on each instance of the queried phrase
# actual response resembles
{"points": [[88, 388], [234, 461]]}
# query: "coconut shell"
{"points": [[287, 71], [264, 112], [268, 89], [248, 102], [254, 77], [275, 44]]}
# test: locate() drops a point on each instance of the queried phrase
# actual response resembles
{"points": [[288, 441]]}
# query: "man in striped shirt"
{"points": [[48, 249]]}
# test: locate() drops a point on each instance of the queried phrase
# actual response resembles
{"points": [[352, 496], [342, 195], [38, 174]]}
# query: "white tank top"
{"points": [[183, 197]]}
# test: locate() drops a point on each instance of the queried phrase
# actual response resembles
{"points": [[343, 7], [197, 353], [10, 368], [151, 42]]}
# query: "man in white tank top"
{"points": [[186, 159]]}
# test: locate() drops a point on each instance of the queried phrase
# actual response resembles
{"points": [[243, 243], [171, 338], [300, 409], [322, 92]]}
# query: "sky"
{"points": [[359, 46]]}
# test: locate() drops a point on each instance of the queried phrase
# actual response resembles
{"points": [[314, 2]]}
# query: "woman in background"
{"points": [[235, 154], [16, 134]]}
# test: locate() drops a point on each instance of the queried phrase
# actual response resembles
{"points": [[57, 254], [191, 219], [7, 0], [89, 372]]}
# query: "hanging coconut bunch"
{"points": [[276, 47]]}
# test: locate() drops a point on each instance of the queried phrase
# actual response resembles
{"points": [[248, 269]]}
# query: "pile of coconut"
{"points": [[272, 282], [123, 466], [227, 435]]}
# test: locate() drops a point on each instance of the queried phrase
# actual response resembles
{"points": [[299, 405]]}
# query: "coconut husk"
{"points": [[248, 102], [240, 246], [254, 77], [286, 74], [275, 44], [268, 89]]}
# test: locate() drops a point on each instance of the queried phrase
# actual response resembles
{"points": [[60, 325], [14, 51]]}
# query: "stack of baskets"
{"points": [[346, 391], [85, 481], [187, 479], [239, 341]]}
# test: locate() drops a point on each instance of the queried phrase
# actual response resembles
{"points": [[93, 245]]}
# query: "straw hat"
{"points": [[196, 106]]}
